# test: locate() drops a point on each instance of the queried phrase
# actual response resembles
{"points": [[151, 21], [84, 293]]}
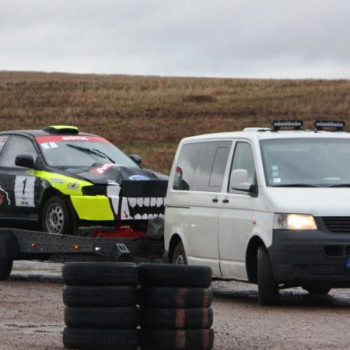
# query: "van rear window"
{"points": [[201, 166]]}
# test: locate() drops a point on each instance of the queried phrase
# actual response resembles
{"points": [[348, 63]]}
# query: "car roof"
{"points": [[35, 133]]}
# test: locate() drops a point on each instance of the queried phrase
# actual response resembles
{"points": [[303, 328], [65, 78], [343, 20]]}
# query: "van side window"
{"points": [[201, 166], [243, 159]]}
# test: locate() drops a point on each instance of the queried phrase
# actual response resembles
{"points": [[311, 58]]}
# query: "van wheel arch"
{"points": [[175, 239], [252, 258]]}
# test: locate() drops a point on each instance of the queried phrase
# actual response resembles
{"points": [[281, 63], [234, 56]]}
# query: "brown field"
{"points": [[149, 115]]}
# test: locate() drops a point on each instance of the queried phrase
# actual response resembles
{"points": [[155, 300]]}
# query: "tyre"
{"points": [[179, 255], [58, 216], [102, 317], [100, 295], [99, 273], [172, 297], [5, 268], [317, 290], [192, 339], [267, 286], [169, 275], [101, 339], [176, 318]]}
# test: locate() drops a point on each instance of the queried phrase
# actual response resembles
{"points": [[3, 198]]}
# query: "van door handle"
{"points": [[225, 200], [215, 200]]}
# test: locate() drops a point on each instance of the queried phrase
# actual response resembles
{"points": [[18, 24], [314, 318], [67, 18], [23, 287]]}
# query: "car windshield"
{"points": [[306, 162], [81, 151]]}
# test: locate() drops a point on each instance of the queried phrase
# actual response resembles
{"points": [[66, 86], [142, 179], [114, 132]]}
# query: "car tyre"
{"points": [[5, 268], [267, 286], [58, 217], [179, 256]]}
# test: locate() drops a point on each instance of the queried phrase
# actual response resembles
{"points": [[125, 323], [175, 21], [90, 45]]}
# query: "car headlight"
{"points": [[295, 222]]}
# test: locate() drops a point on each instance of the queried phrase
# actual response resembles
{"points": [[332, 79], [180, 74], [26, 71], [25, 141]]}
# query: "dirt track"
{"points": [[31, 315]]}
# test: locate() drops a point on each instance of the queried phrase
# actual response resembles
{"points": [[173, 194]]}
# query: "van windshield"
{"points": [[306, 162]]}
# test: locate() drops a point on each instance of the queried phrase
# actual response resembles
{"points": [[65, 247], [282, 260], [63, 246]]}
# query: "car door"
{"points": [[209, 160], [17, 185], [236, 216]]}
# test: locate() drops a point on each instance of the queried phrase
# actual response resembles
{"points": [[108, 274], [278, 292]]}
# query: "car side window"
{"points": [[201, 166], [243, 158], [16, 145], [3, 139]]}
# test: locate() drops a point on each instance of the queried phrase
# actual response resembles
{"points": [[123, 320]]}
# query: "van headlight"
{"points": [[295, 222]]}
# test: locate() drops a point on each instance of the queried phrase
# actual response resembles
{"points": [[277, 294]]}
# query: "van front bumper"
{"points": [[310, 258]]}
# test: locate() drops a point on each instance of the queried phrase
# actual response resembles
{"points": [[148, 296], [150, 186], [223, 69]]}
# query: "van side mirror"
{"points": [[136, 158], [25, 160], [239, 180]]}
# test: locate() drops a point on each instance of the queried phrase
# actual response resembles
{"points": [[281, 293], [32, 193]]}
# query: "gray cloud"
{"points": [[228, 38]]}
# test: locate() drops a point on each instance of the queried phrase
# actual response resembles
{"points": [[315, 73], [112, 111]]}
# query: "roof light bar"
{"points": [[286, 124], [329, 125]]}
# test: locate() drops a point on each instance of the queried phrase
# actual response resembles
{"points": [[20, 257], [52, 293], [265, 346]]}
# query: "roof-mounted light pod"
{"points": [[62, 129], [286, 125], [329, 125]]}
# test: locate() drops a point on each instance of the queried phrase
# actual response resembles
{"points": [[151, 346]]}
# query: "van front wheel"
{"points": [[179, 256], [267, 286]]}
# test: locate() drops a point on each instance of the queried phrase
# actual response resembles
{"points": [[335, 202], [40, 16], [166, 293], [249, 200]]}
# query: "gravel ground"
{"points": [[31, 315]]}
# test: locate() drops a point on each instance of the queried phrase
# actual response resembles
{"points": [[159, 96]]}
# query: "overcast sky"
{"points": [[219, 38]]}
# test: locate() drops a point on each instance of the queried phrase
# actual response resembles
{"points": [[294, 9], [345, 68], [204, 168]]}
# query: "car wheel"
{"points": [[267, 286], [179, 256], [57, 217]]}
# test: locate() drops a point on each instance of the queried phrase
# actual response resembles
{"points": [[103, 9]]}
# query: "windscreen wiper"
{"points": [[91, 151], [295, 185]]}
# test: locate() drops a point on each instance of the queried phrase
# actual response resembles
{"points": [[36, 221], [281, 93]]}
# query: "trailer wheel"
{"points": [[267, 286], [57, 217], [102, 317], [5, 268], [187, 318], [100, 295], [172, 297], [168, 275], [99, 273], [177, 339], [102, 339]]}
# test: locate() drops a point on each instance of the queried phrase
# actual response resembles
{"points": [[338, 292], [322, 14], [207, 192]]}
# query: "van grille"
{"points": [[337, 224]]}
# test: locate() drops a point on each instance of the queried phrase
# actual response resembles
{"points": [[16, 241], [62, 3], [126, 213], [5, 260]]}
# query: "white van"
{"points": [[266, 206]]}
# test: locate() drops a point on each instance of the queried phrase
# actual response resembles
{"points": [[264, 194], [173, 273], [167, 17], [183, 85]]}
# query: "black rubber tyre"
{"points": [[100, 295], [58, 216], [172, 297], [168, 275], [267, 286], [101, 339], [318, 290], [100, 273], [102, 317], [179, 255], [192, 339], [5, 268], [154, 318]]}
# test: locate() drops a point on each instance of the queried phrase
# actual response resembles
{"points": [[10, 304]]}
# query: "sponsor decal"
{"points": [[58, 181], [4, 197], [51, 139], [139, 178], [74, 186], [24, 191], [104, 168]]}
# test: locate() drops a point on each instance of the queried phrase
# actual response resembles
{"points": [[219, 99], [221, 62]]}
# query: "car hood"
{"points": [[315, 201]]}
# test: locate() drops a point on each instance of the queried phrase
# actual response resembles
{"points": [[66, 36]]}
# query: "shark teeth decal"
{"points": [[142, 208]]}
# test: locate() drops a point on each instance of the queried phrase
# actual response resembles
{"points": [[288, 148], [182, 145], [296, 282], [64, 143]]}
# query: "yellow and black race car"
{"points": [[64, 179]]}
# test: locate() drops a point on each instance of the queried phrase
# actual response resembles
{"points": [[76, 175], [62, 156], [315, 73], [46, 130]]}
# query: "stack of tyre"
{"points": [[175, 307], [101, 306]]}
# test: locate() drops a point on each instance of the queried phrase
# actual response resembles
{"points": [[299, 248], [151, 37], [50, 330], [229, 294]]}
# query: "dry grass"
{"points": [[149, 115]]}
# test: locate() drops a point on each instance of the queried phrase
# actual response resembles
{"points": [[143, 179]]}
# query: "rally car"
{"points": [[64, 180]]}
